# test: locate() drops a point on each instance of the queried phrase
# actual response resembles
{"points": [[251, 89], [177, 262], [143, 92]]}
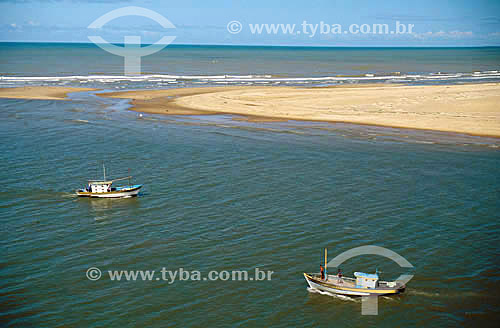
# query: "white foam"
{"points": [[342, 297], [247, 78]]}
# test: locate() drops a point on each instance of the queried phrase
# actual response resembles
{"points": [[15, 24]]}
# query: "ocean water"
{"points": [[221, 194], [185, 65]]}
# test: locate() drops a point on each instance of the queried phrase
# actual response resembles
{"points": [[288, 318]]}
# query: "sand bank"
{"points": [[471, 109], [45, 93]]}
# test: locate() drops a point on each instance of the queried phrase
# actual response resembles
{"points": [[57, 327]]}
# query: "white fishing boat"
{"points": [[363, 284], [103, 188]]}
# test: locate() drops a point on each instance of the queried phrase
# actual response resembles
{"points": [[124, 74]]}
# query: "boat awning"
{"points": [[100, 182], [366, 275]]}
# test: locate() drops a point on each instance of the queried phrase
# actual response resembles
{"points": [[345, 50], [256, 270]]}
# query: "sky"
{"points": [[435, 22]]}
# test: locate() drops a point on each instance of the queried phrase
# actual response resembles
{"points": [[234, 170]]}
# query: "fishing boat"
{"points": [[103, 188], [363, 284]]}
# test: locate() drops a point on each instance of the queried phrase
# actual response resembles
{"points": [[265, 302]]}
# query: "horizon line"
{"points": [[270, 45]]}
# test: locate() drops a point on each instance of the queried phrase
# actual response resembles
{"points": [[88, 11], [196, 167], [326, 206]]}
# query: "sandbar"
{"points": [[467, 108]]}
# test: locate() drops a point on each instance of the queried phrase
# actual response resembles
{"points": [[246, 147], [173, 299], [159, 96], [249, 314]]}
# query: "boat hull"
{"points": [[121, 193], [325, 286]]}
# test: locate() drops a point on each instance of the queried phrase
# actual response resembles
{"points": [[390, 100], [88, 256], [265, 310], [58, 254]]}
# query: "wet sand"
{"points": [[164, 101], [471, 109], [44, 93]]}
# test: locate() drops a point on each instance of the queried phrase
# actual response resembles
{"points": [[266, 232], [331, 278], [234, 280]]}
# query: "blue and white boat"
{"points": [[103, 188]]}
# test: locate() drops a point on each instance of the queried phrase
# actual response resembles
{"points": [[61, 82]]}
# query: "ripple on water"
{"points": [[227, 195]]}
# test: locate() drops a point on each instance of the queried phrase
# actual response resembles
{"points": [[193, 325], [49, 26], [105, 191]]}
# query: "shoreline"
{"points": [[472, 109]]}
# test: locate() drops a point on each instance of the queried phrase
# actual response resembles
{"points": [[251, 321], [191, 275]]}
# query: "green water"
{"points": [[226, 195]]}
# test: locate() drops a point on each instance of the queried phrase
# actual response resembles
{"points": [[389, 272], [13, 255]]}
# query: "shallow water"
{"points": [[221, 194]]}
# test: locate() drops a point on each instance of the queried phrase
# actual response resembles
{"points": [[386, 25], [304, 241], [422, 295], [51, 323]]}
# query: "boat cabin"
{"points": [[99, 186], [366, 280]]}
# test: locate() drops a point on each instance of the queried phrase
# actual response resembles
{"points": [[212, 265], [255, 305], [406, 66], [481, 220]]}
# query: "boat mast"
{"points": [[104, 171], [326, 253]]}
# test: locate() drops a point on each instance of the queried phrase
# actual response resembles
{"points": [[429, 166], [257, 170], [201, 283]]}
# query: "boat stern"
{"points": [[82, 193]]}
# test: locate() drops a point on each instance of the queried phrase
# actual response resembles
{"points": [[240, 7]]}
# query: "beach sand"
{"points": [[471, 109], [44, 93]]}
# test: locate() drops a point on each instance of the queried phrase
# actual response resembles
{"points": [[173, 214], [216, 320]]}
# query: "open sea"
{"points": [[222, 194]]}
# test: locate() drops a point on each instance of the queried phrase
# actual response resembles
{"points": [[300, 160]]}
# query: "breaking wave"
{"points": [[250, 79]]}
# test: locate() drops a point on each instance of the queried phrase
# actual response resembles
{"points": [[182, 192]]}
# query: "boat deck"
{"points": [[341, 282]]}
